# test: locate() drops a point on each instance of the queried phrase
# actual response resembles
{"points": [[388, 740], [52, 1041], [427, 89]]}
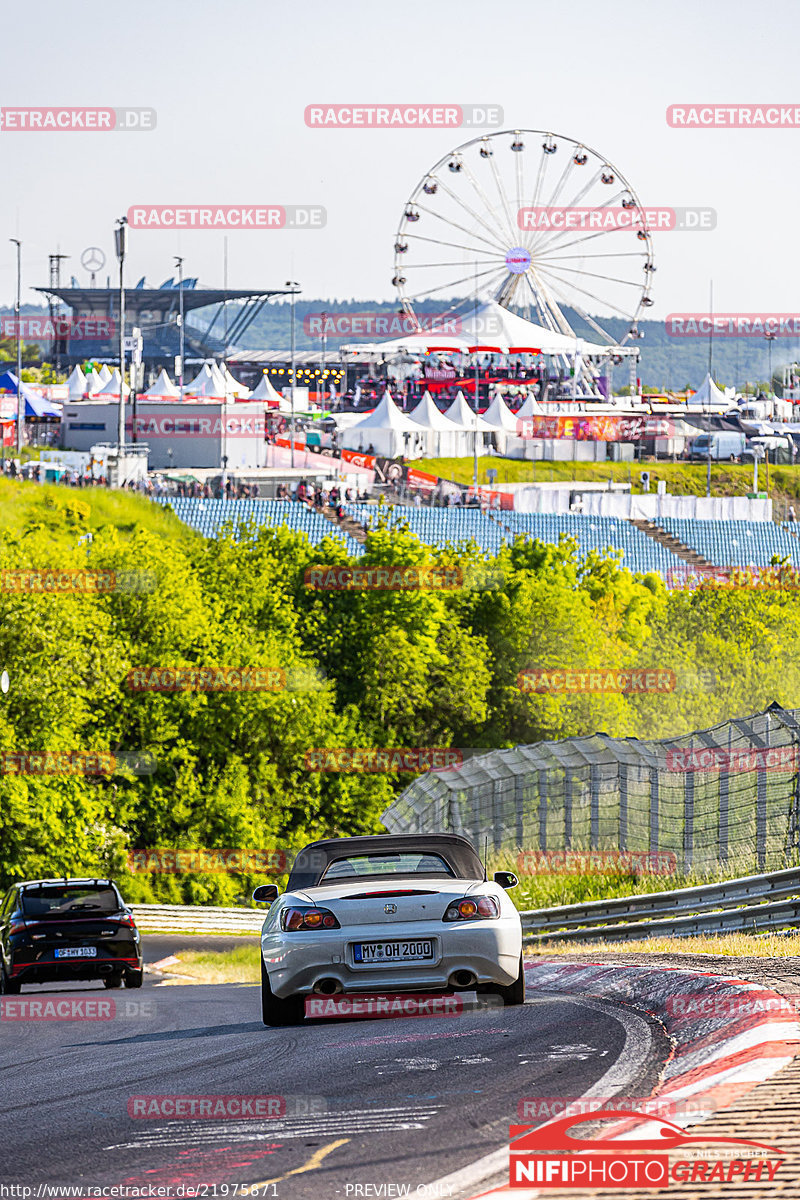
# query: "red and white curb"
{"points": [[728, 1035]]}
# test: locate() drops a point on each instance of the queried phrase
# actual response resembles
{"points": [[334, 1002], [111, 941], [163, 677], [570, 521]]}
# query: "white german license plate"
{"points": [[374, 952], [76, 952]]}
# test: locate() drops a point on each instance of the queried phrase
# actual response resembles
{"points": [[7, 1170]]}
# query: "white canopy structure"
{"points": [[76, 384], [266, 392], [530, 408], [233, 387], [388, 430], [500, 416], [465, 417], [709, 395], [162, 389], [111, 388], [105, 374], [94, 383], [444, 439], [207, 383]]}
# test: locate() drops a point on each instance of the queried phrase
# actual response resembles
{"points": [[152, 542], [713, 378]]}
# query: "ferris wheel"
{"points": [[488, 221]]}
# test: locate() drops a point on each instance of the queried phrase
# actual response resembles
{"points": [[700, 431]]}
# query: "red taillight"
{"points": [[472, 910], [293, 919], [128, 920]]}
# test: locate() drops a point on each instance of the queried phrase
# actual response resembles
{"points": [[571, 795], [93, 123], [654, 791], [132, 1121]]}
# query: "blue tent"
{"points": [[35, 405]]}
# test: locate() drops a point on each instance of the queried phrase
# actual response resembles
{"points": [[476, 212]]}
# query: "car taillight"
{"points": [[308, 918], [18, 927], [472, 910], [127, 920]]}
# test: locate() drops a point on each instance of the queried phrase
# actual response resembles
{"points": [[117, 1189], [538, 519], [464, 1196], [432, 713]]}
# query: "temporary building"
{"points": [[94, 383], [273, 399], [105, 374], [162, 389], [709, 395], [530, 408], [207, 384], [444, 439], [76, 384], [500, 416], [465, 417], [232, 386], [388, 430], [111, 387]]}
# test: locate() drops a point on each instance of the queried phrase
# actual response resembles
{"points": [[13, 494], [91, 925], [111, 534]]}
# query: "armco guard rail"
{"points": [[755, 903], [190, 918]]}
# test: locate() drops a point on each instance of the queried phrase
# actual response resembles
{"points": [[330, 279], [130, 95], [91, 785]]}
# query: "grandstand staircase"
{"points": [[676, 547], [348, 524]]}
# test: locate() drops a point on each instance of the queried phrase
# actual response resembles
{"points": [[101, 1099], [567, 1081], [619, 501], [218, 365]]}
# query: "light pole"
{"points": [[121, 241], [290, 283], [20, 401], [179, 264], [770, 336], [322, 364]]}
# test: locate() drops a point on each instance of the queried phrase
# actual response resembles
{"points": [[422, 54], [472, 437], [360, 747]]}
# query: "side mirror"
{"points": [[506, 879], [265, 894]]}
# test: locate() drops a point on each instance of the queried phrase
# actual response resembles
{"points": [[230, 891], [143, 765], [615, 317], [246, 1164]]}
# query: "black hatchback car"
{"points": [[67, 929]]}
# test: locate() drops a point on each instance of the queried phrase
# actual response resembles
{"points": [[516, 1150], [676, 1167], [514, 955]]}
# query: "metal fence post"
{"points": [[567, 810], [724, 816], [541, 777], [623, 806], [688, 821], [594, 809], [761, 817], [654, 782]]}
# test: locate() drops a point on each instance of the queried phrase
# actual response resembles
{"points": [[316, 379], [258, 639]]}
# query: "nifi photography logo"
{"points": [[551, 1157]]}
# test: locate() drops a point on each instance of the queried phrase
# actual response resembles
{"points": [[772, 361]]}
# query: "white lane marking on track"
{"points": [[638, 1041], [351, 1121], [579, 1053]]}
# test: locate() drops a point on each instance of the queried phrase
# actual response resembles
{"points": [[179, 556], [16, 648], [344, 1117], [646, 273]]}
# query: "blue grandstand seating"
{"points": [[209, 516], [735, 543], [724, 543]]}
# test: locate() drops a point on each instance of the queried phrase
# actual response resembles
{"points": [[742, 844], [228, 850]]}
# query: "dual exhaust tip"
{"points": [[333, 987]]}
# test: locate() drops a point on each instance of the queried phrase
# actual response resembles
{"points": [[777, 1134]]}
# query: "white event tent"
{"points": [[444, 439], [110, 389], [266, 392], [207, 384], [76, 384], [709, 395], [94, 383], [162, 389], [465, 417], [105, 374], [388, 430]]}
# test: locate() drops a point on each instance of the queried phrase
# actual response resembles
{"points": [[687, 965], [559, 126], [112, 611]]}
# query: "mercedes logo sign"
{"points": [[93, 258]]}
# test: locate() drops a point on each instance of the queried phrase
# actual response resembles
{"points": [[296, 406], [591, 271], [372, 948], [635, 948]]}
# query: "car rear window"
{"points": [[409, 863], [62, 900]]}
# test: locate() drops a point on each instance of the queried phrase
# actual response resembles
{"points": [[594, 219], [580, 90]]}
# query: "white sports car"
{"points": [[405, 913]]}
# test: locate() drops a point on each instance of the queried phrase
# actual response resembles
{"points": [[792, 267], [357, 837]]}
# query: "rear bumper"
{"points": [[489, 949], [48, 969]]}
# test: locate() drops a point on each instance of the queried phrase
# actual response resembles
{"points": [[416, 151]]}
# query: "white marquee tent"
{"points": [[111, 388], [388, 430], [265, 391], [444, 439], [76, 384], [464, 416], [105, 374], [162, 389]]}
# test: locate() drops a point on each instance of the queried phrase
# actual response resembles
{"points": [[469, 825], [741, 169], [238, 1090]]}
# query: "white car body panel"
{"points": [[490, 948]]}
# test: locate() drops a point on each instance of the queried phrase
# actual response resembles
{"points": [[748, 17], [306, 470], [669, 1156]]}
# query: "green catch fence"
{"points": [[721, 798]]}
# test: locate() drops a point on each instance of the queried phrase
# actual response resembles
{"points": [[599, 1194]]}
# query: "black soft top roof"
{"points": [[314, 859]]}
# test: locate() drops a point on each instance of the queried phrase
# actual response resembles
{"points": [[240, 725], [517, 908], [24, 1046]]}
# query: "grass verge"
{"points": [[218, 966], [733, 945]]}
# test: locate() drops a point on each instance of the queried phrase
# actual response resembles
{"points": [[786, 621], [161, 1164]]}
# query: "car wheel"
{"points": [[8, 987], [514, 993], [112, 981], [274, 1010], [133, 979]]}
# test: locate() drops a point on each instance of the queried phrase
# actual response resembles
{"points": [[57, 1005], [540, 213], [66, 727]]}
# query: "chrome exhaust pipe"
{"points": [[463, 979], [327, 987]]}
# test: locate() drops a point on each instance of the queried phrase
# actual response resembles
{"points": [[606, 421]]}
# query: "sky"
{"points": [[230, 84]]}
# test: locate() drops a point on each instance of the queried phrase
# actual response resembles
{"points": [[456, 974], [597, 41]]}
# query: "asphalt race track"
{"points": [[403, 1101]]}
